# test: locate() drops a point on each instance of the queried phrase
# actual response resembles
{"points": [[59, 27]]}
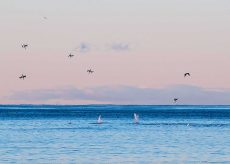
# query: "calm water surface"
{"points": [[69, 134]]}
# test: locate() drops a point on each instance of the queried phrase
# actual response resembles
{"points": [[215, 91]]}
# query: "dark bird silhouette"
{"points": [[25, 46], [22, 77], [70, 55], [186, 74], [175, 100], [90, 71]]}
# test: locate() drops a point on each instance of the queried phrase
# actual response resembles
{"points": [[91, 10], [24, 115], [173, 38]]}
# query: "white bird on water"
{"points": [[136, 118], [99, 120]]}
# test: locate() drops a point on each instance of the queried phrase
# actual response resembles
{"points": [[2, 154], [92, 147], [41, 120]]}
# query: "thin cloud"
{"points": [[120, 46], [129, 95], [83, 47]]}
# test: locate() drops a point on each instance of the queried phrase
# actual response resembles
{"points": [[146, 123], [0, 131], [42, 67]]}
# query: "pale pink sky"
{"points": [[134, 43]]}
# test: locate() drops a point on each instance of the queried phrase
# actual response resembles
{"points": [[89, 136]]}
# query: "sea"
{"points": [[71, 134]]}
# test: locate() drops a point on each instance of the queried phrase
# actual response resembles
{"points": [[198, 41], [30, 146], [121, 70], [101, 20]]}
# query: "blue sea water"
{"points": [[70, 134]]}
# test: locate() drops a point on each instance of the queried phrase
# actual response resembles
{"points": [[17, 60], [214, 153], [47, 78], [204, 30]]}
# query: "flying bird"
{"points": [[175, 100], [186, 74], [90, 71], [22, 77], [25, 46], [70, 55], [44, 17]]}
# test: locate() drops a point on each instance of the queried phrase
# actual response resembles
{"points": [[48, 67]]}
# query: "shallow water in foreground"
{"points": [[69, 134]]}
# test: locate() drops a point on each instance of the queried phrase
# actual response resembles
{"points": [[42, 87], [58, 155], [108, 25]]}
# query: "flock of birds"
{"points": [[25, 46], [90, 71]]}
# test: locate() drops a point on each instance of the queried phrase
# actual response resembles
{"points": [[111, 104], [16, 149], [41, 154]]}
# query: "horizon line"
{"points": [[119, 104]]}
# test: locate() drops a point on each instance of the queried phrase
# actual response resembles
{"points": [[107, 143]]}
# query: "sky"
{"points": [[139, 50]]}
